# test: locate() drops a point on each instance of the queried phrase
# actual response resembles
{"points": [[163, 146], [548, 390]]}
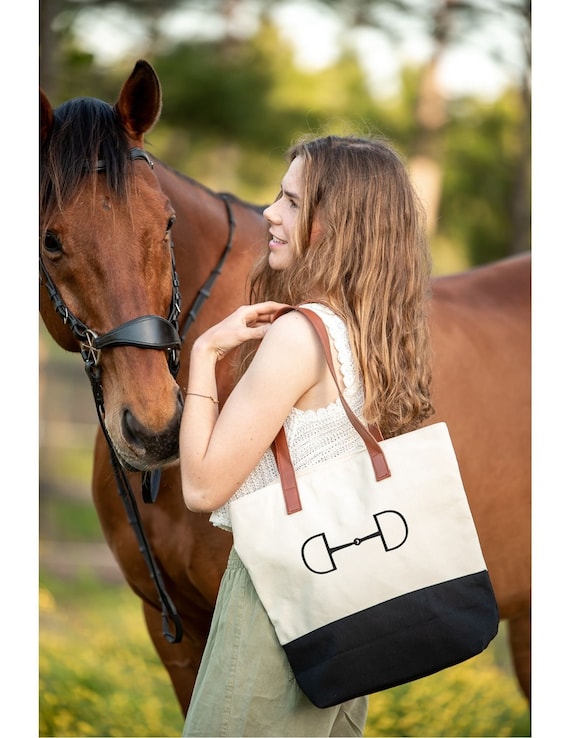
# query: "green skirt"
{"points": [[245, 686]]}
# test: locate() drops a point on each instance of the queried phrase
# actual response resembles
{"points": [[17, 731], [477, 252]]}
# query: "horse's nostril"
{"points": [[132, 431], [153, 445]]}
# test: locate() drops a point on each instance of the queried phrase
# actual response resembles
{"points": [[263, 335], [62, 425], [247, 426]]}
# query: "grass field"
{"points": [[100, 676]]}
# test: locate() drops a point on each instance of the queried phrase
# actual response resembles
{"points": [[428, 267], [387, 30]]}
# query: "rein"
{"points": [[146, 331], [206, 288]]}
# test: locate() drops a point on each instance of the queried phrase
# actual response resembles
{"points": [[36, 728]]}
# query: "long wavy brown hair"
{"points": [[369, 261]]}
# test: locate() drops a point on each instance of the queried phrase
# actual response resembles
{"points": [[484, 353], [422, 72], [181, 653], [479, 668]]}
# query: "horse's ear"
{"points": [[46, 116], [140, 100]]}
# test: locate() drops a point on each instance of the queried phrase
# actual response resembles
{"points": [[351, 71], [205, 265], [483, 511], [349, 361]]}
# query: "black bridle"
{"points": [[146, 331]]}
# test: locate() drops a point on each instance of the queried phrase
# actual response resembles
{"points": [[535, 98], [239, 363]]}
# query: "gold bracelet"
{"points": [[207, 397]]}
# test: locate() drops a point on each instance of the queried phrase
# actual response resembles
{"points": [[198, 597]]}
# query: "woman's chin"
{"points": [[278, 260]]}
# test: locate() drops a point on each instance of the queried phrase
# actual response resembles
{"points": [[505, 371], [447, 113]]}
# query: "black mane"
{"points": [[85, 131]]}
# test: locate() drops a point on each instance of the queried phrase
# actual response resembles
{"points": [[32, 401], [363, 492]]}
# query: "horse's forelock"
{"points": [[85, 131]]}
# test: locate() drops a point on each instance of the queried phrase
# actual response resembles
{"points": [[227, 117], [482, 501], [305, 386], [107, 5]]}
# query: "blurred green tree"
{"points": [[233, 103]]}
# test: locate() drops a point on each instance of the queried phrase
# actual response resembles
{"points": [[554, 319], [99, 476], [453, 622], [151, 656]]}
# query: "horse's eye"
{"points": [[52, 244], [171, 222]]}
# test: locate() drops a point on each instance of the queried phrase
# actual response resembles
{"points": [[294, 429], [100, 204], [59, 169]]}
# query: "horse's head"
{"points": [[108, 287]]}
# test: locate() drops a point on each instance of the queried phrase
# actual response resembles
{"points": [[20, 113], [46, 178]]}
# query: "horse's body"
{"points": [[108, 256], [480, 324]]}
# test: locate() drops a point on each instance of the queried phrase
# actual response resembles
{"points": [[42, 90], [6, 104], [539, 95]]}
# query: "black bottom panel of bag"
{"points": [[404, 639]]}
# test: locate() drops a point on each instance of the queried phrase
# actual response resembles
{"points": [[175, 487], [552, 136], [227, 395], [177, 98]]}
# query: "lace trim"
{"points": [[338, 335]]}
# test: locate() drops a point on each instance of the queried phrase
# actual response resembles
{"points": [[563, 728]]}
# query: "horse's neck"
{"points": [[201, 236], [191, 200], [203, 226]]}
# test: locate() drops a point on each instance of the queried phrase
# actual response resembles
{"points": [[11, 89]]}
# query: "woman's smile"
{"points": [[275, 242]]}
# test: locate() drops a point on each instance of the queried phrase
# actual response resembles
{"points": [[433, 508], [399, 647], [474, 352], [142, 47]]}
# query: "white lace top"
{"points": [[312, 435]]}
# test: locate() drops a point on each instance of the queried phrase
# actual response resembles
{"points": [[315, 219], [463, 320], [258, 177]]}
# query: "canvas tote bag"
{"points": [[369, 565]]}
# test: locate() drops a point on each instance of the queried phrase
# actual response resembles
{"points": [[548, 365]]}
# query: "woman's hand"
{"points": [[249, 322]]}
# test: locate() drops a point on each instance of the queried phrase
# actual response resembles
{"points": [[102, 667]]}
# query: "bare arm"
{"points": [[219, 450]]}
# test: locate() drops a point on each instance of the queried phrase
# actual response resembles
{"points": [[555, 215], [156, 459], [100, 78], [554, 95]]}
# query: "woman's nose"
{"points": [[270, 213]]}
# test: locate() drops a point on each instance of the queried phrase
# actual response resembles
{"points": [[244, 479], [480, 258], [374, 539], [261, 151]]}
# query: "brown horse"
{"points": [[111, 221]]}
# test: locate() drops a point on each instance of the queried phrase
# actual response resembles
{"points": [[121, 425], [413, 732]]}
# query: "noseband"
{"points": [[147, 332]]}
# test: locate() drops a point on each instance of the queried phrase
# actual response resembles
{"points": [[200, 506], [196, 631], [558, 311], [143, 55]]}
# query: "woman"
{"points": [[346, 240]]}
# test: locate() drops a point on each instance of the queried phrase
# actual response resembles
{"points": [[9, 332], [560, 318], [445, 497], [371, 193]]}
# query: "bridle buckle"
{"points": [[90, 353]]}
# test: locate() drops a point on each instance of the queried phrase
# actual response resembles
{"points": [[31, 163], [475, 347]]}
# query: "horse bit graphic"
{"points": [[324, 556]]}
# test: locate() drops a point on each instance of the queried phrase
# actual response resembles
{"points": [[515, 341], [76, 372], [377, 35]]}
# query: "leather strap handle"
{"points": [[281, 449]]}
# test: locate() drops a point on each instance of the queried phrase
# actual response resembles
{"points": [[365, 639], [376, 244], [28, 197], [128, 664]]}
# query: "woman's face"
{"points": [[282, 217]]}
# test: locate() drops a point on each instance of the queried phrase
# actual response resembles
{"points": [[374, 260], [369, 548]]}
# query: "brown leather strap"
{"points": [[281, 449], [286, 473]]}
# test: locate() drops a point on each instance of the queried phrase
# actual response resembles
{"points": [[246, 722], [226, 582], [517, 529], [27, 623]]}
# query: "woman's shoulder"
{"points": [[291, 336], [335, 325], [294, 329], [288, 323]]}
